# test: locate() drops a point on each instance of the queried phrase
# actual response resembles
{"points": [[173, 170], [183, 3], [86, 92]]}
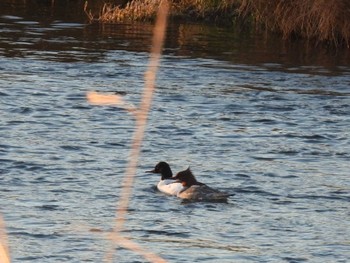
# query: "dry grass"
{"points": [[203, 8], [140, 10], [136, 10], [4, 252], [320, 20], [141, 115]]}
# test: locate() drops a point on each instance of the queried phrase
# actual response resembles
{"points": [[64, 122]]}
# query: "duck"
{"points": [[197, 191], [167, 183]]}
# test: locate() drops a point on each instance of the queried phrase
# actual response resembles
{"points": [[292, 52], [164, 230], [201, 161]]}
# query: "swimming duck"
{"points": [[197, 191], [166, 184]]}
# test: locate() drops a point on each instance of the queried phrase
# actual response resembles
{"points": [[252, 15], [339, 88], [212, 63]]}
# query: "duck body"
{"points": [[170, 187], [197, 191], [167, 183], [203, 193]]}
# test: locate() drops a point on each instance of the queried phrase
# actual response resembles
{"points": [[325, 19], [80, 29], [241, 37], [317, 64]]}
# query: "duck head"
{"points": [[187, 178], [162, 168]]}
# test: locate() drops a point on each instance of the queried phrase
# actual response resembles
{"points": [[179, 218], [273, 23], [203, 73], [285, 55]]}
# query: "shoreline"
{"points": [[326, 23]]}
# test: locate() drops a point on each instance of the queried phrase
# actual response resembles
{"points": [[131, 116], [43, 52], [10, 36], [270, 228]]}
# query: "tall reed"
{"points": [[141, 115], [4, 251], [320, 20], [138, 10], [135, 10]]}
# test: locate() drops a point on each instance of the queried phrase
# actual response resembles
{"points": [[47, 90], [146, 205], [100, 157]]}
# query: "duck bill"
{"points": [[151, 172]]}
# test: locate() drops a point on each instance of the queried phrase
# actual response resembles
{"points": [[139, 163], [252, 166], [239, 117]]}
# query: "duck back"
{"points": [[203, 192]]}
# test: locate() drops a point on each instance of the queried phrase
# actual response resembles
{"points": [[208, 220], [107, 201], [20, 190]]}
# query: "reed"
{"points": [[4, 251], [204, 9], [319, 20], [136, 10], [141, 10], [141, 114]]}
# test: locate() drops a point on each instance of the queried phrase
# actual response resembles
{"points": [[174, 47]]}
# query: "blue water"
{"points": [[274, 134]]}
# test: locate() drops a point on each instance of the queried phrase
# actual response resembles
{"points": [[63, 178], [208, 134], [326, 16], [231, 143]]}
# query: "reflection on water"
{"points": [[251, 115], [61, 27]]}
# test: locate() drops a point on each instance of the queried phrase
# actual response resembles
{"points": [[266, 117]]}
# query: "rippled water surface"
{"points": [[248, 116]]}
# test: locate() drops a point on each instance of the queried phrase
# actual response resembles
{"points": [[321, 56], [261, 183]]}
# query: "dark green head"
{"points": [[162, 168]]}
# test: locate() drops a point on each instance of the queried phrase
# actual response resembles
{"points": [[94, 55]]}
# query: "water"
{"points": [[263, 121]]}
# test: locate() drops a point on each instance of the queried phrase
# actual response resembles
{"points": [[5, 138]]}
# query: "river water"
{"points": [[265, 120]]}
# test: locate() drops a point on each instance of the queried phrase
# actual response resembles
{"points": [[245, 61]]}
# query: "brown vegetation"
{"points": [[140, 10], [319, 20], [133, 11]]}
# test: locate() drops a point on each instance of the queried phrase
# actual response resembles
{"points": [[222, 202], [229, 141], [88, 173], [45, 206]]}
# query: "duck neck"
{"points": [[166, 175], [192, 181]]}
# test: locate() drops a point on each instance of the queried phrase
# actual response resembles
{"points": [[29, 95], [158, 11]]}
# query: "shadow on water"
{"points": [[58, 30]]}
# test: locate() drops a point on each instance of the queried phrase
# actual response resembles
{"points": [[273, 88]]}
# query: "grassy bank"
{"points": [[320, 20], [326, 21], [185, 9]]}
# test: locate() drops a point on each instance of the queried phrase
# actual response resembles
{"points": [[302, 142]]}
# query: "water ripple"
{"points": [[274, 134]]}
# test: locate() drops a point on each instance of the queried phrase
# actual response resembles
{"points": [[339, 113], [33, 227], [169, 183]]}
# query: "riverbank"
{"points": [[326, 22]]}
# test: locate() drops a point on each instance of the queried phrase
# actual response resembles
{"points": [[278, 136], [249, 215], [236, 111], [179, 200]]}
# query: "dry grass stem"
{"points": [[98, 98], [128, 244], [141, 114], [4, 251]]}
